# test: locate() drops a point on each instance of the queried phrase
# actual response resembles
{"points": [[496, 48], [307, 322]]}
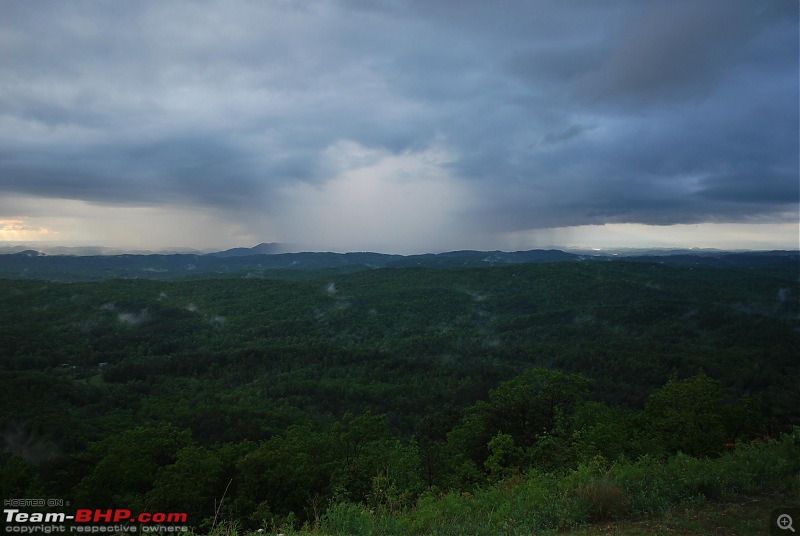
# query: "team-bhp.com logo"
{"points": [[113, 520]]}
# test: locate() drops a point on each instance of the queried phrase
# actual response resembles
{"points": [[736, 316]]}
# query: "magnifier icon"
{"points": [[785, 522]]}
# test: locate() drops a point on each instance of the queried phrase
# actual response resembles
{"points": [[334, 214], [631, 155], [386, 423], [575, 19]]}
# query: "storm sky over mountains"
{"points": [[410, 126]]}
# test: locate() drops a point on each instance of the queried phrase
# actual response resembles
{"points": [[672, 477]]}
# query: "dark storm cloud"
{"points": [[553, 113], [679, 49], [183, 170], [757, 186]]}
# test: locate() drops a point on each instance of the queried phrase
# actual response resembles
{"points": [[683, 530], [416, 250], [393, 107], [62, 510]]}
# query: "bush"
{"points": [[346, 518], [603, 501], [544, 503]]}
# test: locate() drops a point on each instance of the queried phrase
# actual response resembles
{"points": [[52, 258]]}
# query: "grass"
{"points": [[743, 516], [730, 495]]}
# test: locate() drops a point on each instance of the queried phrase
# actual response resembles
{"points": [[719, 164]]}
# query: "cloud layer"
{"points": [[406, 125]]}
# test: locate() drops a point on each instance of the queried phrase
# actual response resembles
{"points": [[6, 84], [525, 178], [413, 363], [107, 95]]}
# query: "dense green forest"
{"points": [[389, 399]]}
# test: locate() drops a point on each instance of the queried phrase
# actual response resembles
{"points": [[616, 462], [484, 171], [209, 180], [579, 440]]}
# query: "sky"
{"points": [[400, 126]]}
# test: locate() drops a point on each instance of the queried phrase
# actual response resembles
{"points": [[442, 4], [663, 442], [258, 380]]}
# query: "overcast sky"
{"points": [[400, 126]]}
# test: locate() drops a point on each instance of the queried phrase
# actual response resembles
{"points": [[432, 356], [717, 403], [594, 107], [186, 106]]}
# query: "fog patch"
{"points": [[162, 296], [581, 319], [217, 320], [480, 313], [133, 319], [32, 448], [492, 342], [476, 296], [784, 294], [108, 307], [754, 309], [191, 307], [331, 288]]}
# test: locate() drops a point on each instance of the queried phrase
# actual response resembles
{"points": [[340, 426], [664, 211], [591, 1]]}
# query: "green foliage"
{"points": [[603, 501], [504, 456], [607, 431], [347, 518], [543, 503], [123, 465], [489, 394], [20, 479], [188, 484], [528, 421], [687, 415], [276, 477], [430, 437], [535, 403]]}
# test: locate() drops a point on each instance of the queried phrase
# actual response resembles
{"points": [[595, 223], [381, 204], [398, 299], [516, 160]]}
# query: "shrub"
{"points": [[603, 501], [346, 518]]}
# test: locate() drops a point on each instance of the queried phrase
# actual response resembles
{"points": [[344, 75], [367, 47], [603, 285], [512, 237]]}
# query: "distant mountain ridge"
{"points": [[263, 261], [265, 248]]}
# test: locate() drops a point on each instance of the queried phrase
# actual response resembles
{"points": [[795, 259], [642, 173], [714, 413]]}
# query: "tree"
{"points": [[431, 435], [503, 456], [281, 475], [687, 416], [359, 447], [126, 465], [537, 406], [192, 484], [20, 479], [538, 401]]}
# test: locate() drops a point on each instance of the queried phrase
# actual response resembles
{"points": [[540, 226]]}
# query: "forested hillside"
{"points": [[385, 390]]}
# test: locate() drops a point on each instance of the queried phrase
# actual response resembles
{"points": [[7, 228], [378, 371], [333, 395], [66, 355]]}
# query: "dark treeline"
{"points": [[290, 396]]}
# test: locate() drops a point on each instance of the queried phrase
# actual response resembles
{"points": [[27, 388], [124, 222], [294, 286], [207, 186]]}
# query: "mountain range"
{"points": [[265, 260]]}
